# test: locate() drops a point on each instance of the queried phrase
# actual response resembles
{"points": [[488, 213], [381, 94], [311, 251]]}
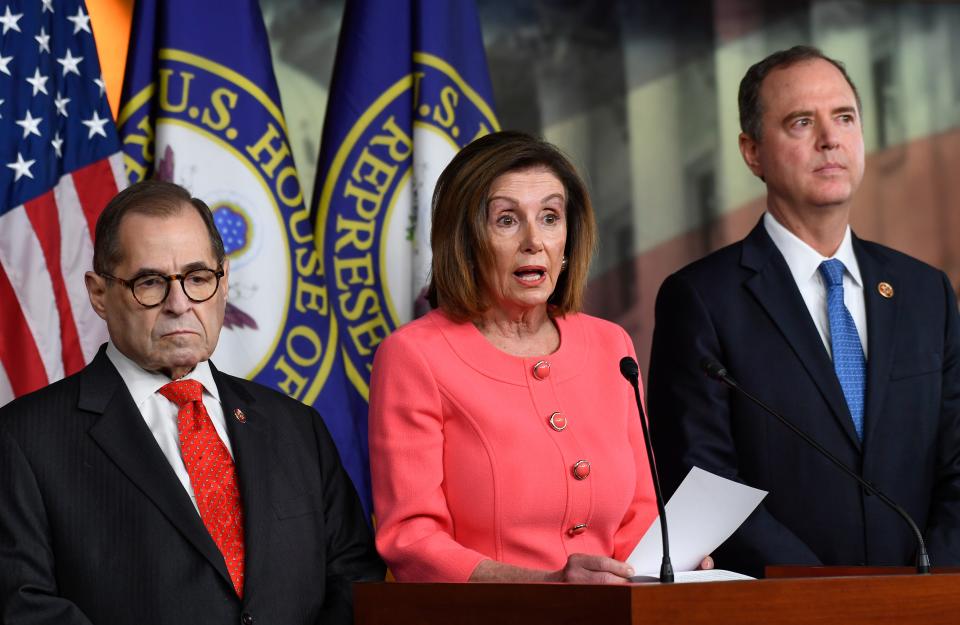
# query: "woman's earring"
{"points": [[563, 263]]}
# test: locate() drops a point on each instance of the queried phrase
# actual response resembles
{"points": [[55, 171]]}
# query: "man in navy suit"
{"points": [[152, 488], [854, 342]]}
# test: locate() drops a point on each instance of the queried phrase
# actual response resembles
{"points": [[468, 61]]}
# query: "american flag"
{"points": [[59, 165]]}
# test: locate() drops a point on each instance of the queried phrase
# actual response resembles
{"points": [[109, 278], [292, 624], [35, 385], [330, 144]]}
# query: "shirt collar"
{"points": [[142, 383], [803, 260]]}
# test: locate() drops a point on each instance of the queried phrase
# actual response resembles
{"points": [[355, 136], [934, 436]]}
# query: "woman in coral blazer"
{"points": [[504, 443]]}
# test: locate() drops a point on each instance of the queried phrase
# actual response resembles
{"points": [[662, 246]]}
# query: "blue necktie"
{"points": [[848, 360]]}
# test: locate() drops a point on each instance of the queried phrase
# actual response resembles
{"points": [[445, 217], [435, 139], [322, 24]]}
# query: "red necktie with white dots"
{"points": [[212, 474]]}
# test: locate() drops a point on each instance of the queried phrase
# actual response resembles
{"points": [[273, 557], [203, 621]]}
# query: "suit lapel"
{"points": [[774, 288], [250, 437], [881, 326], [125, 438]]}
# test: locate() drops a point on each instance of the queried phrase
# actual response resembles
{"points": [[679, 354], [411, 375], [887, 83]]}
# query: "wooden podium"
{"points": [[848, 600]]}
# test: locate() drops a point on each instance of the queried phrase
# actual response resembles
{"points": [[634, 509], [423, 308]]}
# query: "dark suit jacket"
{"points": [[96, 528], [742, 307]]}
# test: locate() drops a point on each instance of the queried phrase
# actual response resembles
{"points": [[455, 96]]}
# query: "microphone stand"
{"points": [[630, 371], [715, 370]]}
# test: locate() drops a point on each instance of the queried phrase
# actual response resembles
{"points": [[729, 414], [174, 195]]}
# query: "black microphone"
{"points": [[717, 371], [630, 370]]}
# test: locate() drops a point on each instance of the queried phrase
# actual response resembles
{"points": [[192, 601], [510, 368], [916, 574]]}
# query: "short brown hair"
{"points": [[748, 99], [459, 232], [148, 197]]}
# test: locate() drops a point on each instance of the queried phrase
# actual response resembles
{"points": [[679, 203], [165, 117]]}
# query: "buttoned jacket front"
{"points": [[96, 528], [474, 452], [741, 307]]}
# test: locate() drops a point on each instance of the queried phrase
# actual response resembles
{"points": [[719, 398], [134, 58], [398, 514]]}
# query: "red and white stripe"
{"points": [[47, 328]]}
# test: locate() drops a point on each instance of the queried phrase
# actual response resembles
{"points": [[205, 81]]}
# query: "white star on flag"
{"points": [[21, 167], [61, 104], [9, 21], [39, 82], [96, 124], [57, 142], [99, 82], [56, 175], [44, 40], [30, 125], [70, 63], [81, 21]]}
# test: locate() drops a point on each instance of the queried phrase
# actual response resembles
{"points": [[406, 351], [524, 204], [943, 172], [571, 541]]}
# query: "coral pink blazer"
{"points": [[467, 464]]}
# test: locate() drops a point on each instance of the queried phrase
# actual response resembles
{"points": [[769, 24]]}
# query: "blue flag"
{"points": [[200, 107], [410, 88]]}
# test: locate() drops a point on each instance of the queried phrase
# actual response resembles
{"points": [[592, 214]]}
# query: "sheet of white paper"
{"points": [[703, 513], [684, 577]]}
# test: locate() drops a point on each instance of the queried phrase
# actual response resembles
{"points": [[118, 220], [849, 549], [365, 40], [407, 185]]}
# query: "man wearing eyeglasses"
{"points": [[152, 488]]}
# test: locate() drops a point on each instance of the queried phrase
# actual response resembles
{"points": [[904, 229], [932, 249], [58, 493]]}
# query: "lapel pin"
{"points": [[242, 418], [885, 289]]}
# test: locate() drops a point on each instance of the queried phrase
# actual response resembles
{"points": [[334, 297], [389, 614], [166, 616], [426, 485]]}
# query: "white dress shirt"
{"points": [[160, 414], [804, 263]]}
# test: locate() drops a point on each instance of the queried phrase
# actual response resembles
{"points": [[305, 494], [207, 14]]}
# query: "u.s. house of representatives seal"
{"points": [[374, 209], [212, 130]]}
